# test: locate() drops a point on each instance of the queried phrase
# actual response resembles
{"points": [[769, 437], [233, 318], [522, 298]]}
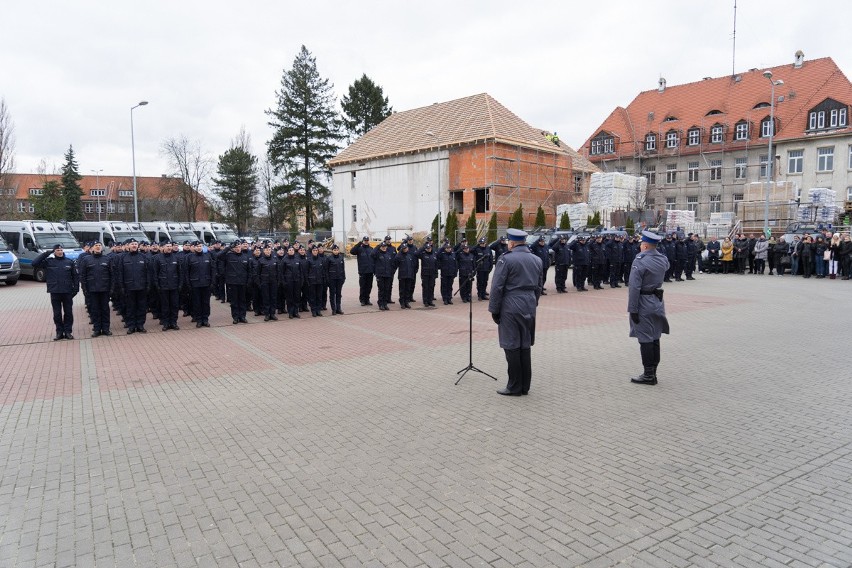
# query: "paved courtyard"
{"points": [[343, 441]]}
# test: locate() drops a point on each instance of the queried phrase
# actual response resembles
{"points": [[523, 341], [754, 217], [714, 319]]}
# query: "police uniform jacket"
{"points": [[484, 258], [335, 268], [235, 268], [541, 251], [614, 251], [168, 271], [597, 255], [407, 265], [448, 264], [580, 254], [95, 273], [383, 263], [267, 269], [515, 289], [561, 253], [133, 271], [428, 263], [315, 269], [499, 249], [466, 262], [364, 253], [60, 274], [292, 270], [680, 250], [199, 269], [646, 275]]}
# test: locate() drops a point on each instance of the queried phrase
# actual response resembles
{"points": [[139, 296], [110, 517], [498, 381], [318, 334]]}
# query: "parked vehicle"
{"points": [[106, 232], [209, 232], [10, 267], [29, 238], [156, 231]]}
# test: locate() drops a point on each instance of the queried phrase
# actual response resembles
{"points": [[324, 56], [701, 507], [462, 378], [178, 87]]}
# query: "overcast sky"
{"points": [[71, 71]]}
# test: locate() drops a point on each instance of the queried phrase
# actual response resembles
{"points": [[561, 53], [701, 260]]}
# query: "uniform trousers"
{"points": [[447, 288], [268, 298], [427, 288], [385, 284], [292, 291], [237, 297], [614, 273], [406, 290], [465, 286], [561, 276], [520, 370], [169, 306], [335, 292], [136, 308], [482, 284], [365, 285], [315, 296], [99, 310], [580, 276], [63, 312], [201, 303]]}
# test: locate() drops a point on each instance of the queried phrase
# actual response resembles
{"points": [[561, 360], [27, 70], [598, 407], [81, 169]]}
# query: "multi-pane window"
{"points": [[715, 204], [693, 137], [692, 203], [849, 193], [763, 159], [816, 120], [609, 145], [121, 208], [795, 161], [738, 197], [692, 171], [741, 131], [715, 170], [22, 206], [838, 118], [110, 207], [650, 142], [98, 193], [671, 139], [36, 191], [89, 207], [603, 145], [651, 173], [767, 128], [671, 203], [578, 183], [740, 168], [125, 193], [850, 157], [671, 173], [716, 134], [825, 159], [354, 213]]}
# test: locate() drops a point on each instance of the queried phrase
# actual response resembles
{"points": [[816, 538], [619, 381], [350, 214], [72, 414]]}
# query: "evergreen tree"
{"points": [[50, 205], [589, 221], [237, 185], [470, 228], [364, 107], [71, 190], [436, 229], [596, 219], [492, 228], [451, 227], [540, 219], [630, 226], [516, 221], [564, 222], [307, 131]]}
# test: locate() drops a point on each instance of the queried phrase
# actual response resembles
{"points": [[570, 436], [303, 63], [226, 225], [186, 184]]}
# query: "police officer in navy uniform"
{"points": [[133, 282], [62, 285], [645, 305], [167, 275], [335, 275], [96, 282], [515, 290], [236, 273], [199, 276], [484, 264], [366, 268]]}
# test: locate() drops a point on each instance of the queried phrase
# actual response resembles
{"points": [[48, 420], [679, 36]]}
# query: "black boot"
{"points": [[649, 353], [646, 378]]}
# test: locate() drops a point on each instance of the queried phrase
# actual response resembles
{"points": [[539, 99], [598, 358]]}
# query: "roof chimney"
{"points": [[800, 58], [662, 85]]}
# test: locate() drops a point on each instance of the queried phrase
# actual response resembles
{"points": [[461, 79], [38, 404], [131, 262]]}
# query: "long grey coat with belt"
{"points": [[647, 273], [515, 290]]}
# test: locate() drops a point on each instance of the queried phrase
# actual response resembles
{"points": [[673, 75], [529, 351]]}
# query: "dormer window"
{"points": [[767, 128], [693, 137], [741, 130], [603, 143], [762, 105], [671, 139], [650, 142], [714, 111], [828, 114], [717, 134]]}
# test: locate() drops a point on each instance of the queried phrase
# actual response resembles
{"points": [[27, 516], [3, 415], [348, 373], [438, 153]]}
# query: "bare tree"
{"points": [[191, 167], [275, 195], [7, 159]]}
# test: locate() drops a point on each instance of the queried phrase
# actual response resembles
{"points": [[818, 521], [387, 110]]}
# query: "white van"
{"points": [[28, 239], [106, 232], [156, 231], [209, 232]]}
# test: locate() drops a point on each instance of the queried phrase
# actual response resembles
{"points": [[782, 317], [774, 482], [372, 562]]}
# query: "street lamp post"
{"points": [[97, 187], [771, 157], [133, 152]]}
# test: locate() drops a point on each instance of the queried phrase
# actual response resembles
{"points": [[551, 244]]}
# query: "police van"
{"points": [[157, 231], [105, 232], [209, 232], [10, 268], [28, 239]]}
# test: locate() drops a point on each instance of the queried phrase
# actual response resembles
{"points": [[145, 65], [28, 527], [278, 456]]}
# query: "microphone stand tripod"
{"points": [[470, 365]]}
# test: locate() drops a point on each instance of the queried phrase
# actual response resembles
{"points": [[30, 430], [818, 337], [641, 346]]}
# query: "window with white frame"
{"points": [[738, 197], [692, 171], [715, 204], [767, 128], [98, 193], [353, 184], [850, 157], [816, 120], [740, 168], [89, 207], [22, 206], [671, 173], [121, 208], [741, 131], [31, 208], [715, 170], [693, 137], [849, 193], [763, 160], [651, 173], [795, 161], [578, 183], [692, 203], [354, 213], [650, 142], [609, 145], [825, 159], [671, 203], [125, 193], [36, 191], [717, 134], [110, 207], [671, 139]]}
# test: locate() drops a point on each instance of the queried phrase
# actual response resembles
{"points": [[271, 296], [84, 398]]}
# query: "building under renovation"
{"points": [[470, 154]]}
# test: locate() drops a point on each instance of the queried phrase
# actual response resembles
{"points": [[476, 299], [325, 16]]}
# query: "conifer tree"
{"points": [[470, 228], [364, 107], [70, 187], [540, 219], [492, 228]]}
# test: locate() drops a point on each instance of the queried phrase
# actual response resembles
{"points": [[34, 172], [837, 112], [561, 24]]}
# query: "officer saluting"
{"points": [[515, 290], [645, 305]]}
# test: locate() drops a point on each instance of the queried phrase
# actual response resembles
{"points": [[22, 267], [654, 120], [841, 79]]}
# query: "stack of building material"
{"points": [[725, 219], [614, 191], [578, 213], [778, 191], [679, 218], [820, 206]]}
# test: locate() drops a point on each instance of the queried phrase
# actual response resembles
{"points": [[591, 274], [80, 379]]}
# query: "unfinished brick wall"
{"points": [[515, 175]]}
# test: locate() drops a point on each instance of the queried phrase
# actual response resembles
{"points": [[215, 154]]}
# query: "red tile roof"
{"points": [[147, 187], [735, 97]]}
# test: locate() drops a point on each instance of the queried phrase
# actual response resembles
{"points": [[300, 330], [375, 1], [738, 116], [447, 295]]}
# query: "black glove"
{"points": [[496, 318], [634, 317]]}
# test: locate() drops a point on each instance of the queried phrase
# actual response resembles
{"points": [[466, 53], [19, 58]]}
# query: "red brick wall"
{"points": [[515, 175]]}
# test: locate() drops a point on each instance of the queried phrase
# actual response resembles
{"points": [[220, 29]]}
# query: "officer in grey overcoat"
{"points": [[645, 305], [515, 290]]}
